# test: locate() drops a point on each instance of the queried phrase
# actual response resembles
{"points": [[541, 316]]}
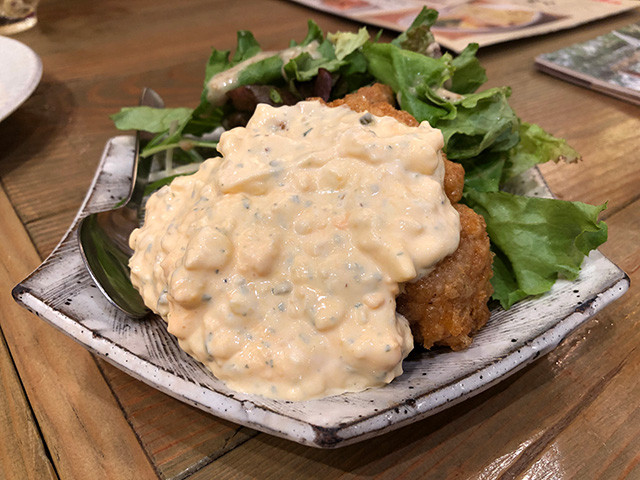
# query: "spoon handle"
{"points": [[142, 166], [103, 237]]}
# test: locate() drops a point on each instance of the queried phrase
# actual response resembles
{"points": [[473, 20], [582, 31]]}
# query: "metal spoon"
{"points": [[104, 237]]}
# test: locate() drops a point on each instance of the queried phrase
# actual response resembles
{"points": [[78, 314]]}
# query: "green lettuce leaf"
{"points": [[264, 72], [468, 74], [246, 47], [534, 240], [418, 37], [404, 70], [314, 33], [538, 240], [536, 146], [412, 76], [345, 43], [351, 75], [505, 286], [484, 172], [334, 53], [305, 67], [152, 120], [483, 121], [471, 124]]}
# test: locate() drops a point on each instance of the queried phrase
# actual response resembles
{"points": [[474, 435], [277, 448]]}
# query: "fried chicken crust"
{"points": [[447, 306]]}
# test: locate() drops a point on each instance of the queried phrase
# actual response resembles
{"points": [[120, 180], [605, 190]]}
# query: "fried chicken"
{"points": [[447, 306]]}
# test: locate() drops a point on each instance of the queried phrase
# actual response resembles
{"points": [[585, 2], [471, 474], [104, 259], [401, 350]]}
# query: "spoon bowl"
{"points": [[104, 237]]}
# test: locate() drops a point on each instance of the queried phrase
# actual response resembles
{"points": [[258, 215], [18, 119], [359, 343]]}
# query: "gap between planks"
{"points": [[81, 423]]}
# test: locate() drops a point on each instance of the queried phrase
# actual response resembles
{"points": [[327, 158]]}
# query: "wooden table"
{"points": [[65, 413]]}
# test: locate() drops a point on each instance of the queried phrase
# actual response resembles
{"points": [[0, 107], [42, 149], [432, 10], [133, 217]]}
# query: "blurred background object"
{"points": [[17, 15]]}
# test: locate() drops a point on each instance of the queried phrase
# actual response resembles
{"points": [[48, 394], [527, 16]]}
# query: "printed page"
{"points": [[485, 22], [609, 63]]}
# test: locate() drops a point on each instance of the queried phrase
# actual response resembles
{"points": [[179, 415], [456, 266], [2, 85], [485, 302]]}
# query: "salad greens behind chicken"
{"points": [[535, 240]]}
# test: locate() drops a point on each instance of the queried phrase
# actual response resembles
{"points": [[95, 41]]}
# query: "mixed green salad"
{"points": [[535, 240]]}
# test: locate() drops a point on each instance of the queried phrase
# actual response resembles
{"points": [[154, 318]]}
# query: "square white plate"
{"points": [[61, 292]]}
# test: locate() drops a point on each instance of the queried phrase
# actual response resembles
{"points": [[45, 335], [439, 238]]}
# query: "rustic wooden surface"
{"points": [[65, 414]]}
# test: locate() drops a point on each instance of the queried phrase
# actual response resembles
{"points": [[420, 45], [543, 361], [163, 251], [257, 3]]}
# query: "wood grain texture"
{"points": [[179, 439], [23, 453], [85, 431], [62, 294], [573, 414]]}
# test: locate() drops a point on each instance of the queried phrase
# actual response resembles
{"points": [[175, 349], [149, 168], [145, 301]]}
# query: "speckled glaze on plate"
{"points": [[61, 292], [20, 73]]}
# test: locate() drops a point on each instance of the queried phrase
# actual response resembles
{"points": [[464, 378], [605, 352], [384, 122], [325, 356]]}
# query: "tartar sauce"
{"points": [[277, 265]]}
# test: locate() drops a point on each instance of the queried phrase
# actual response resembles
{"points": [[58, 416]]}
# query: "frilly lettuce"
{"points": [[535, 240]]}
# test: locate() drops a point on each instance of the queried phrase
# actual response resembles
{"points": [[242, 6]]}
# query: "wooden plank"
{"points": [[551, 417], [521, 425], [606, 173], [607, 426], [623, 246], [47, 232], [180, 439], [603, 129], [81, 422], [119, 41], [22, 452], [69, 112], [75, 144], [41, 190], [605, 351], [599, 363], [527, 419]]}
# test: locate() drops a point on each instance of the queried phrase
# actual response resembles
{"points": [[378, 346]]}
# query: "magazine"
{"points": [[484, 22], [608, 64]]}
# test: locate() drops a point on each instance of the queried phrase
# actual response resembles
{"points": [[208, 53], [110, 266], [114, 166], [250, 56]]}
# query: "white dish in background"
{"points": [[20, 73], [61, 292]]}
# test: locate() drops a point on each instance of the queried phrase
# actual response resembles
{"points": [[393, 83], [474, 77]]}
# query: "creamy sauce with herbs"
{"points": [[277, 265], [227, 80]]}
